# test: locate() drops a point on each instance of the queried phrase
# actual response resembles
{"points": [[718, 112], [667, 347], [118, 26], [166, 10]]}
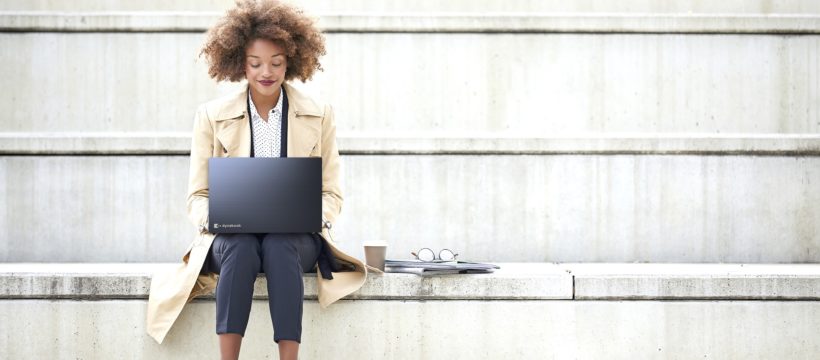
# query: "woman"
{"points": [[266, 43]]}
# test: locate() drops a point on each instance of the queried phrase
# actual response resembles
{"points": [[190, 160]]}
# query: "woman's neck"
{"points": [[265, 103]]}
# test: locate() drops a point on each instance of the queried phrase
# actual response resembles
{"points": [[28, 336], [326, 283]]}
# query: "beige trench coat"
{"points": [[222, 129]]}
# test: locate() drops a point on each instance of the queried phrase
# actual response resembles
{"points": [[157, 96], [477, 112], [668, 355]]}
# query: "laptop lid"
{"points": [[265, 195]]}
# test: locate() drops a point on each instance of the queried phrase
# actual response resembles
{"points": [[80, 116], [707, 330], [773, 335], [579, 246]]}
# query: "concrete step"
{"points": [[511, 206], [715, 311], [513, 281], [602, 281], [542, 83], [492, 22], [431, 329], [96, 281], [422, 6], [426, 143]]}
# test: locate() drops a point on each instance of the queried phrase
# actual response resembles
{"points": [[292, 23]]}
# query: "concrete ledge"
{"points": [[610, 143], [95, 281], [190, 21], [175, 143], [435, 329], [157, 143], [702, 281], [733, 325], [514, 281]]}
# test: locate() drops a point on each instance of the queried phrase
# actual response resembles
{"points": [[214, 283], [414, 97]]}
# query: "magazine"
{"points": [[438, 267]]}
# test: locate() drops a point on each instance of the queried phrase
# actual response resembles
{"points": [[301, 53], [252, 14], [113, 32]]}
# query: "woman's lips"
{"points": [[267, 83]]}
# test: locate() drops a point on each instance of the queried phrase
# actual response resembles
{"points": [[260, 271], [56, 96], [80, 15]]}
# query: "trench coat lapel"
{"points": [[304, 123], [233, 129], [231, 125]]}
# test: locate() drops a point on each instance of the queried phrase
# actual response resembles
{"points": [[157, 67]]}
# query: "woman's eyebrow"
{"points": [[274, 55]]}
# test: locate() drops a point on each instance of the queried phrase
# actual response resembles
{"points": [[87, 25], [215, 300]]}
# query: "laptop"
{"points": [[265, 195]]}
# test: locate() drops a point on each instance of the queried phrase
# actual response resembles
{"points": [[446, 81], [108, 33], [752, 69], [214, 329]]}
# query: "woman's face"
{"points": [[265, 65]]}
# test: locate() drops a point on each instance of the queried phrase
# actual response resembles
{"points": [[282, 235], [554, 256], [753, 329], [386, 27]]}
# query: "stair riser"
{"points": [[430, 329], [566, 208], [541, 84]]}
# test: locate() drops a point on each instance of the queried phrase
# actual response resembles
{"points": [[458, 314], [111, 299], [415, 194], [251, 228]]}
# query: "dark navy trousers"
{"points": [[283, 258]]}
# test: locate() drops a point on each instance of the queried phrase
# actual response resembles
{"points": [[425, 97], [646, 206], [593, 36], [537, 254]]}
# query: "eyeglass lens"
{"points": [[446, 255], [426, 254]]}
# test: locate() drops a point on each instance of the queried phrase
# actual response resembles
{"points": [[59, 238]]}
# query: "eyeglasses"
{"points": [[427, 254]]}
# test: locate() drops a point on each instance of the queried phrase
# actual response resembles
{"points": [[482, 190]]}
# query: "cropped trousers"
{"points": [[240, 258]]}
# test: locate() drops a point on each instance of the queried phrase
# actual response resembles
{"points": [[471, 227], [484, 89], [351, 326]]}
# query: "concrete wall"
{"points": [[539, 84], [576, 208], [430, 329], [580, 311], [639, 67], [572, 76]]}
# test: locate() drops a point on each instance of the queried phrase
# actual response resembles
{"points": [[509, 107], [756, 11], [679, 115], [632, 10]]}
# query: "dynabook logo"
{"points": [[216, 226]]}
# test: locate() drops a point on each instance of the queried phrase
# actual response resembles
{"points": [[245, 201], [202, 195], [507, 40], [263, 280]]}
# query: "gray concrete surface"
{"points": [[424, 6], [567, 208], [73, 311], [540, 84], [702, 281], [84, 281], [176, 21], [513, 281], [173, 143], [451, 329]]}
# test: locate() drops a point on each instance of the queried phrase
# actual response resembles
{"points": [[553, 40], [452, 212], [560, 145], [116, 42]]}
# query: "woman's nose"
{"points": [[268, 70]]}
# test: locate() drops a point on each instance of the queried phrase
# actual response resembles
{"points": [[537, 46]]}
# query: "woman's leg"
{"points": [[229, 345], [285, 257], [238, 262]]}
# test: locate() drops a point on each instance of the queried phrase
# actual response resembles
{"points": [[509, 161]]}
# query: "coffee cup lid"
{"points": [[375, 243]]}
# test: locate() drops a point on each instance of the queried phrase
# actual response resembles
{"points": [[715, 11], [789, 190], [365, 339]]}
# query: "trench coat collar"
{"points": [[298, 102], [304, 119]]}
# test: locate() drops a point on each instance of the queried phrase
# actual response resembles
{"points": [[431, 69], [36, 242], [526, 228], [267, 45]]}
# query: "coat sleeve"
{"points": [[202, 143], [331, 190]]}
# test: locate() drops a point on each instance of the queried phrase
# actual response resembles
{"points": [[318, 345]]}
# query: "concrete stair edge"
{"points": [[513, 281], [190, 21], [178, 143]]}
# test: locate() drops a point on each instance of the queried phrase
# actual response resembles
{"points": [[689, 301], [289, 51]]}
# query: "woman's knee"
{"points": [[243, 245], [280, 243], [303, 248]]}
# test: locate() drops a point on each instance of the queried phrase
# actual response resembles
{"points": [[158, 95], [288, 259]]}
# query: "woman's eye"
{"points": [[277, 65], [254, 66]]}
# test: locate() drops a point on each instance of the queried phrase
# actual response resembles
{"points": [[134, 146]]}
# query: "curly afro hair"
{"points": [[249, 20]]}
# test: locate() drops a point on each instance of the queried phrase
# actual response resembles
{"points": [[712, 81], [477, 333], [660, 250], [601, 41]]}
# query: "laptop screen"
{"points": [[265, 195]]}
